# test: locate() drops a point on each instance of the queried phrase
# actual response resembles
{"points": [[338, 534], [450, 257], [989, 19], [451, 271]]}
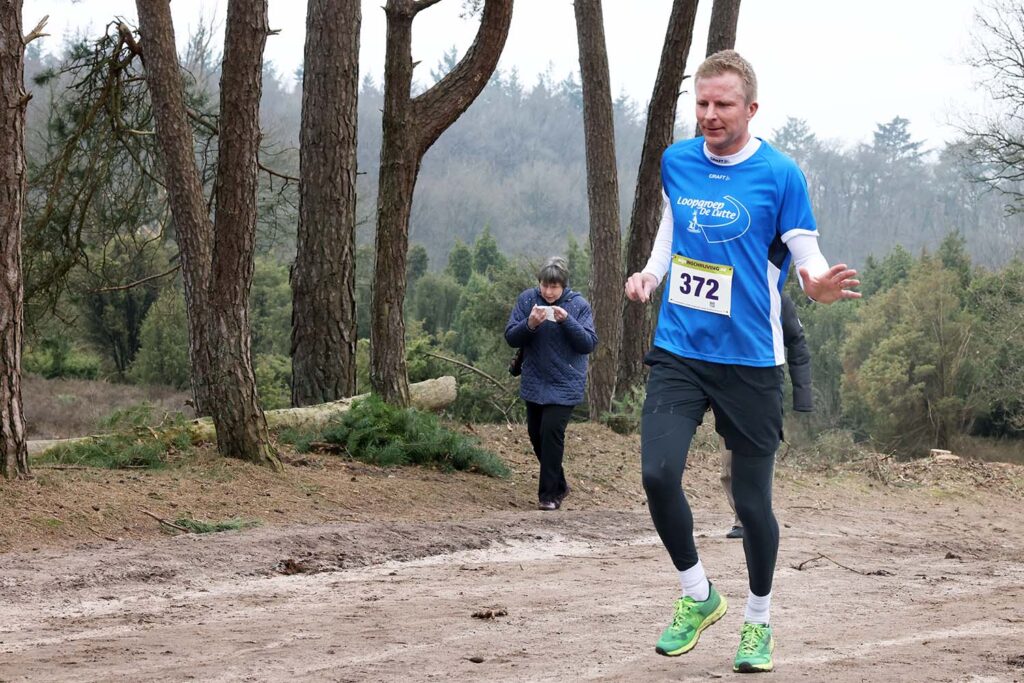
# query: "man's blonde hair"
{"points": [[726, 61]]}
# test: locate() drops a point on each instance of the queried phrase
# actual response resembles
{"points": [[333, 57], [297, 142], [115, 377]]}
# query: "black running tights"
{"points": [[664, 444]]}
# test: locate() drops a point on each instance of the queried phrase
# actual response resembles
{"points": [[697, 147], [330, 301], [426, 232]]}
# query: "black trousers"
{"points": [[546, 425], [747, 403]]}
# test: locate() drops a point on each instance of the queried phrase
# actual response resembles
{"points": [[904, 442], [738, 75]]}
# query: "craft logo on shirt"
{"points": [[719, 221], [718, 176]]}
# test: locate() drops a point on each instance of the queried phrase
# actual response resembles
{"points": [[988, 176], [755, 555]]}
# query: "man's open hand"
{"points": [[831, 286]]}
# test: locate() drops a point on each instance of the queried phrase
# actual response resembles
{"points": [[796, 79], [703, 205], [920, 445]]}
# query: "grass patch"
{"points": [[380, 434], [137, 449], [198, 526]]}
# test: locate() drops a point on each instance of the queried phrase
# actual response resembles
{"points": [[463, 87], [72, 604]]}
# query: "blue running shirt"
{"points": [[722, 298]]}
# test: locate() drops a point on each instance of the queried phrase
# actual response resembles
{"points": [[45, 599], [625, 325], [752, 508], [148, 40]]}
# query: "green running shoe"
{"points": [[690, 619], [756, 647]]}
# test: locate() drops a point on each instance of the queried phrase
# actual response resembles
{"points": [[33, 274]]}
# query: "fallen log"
{"points": [[431, 394]]}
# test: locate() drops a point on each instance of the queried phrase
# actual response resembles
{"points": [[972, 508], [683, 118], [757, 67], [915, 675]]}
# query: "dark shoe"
{"points": [[563, 495], [735, 532], [547, 505]]}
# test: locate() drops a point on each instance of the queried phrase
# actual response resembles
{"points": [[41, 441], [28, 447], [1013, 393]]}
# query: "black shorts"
{"points": [[746, 400]]}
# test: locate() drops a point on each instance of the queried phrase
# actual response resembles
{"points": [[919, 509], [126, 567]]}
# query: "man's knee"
{"points": [[751, 512], [659, 481]]}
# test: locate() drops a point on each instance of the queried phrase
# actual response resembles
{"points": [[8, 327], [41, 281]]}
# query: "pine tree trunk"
{"points": [[241, 425], [637, 318], [13, 186], [217, 258], [603, 201], [398, 168], [192, 226], [410, 127], [323, 278], [725, 17]]}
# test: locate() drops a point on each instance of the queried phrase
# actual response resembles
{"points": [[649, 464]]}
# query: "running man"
{"points": [[736, 213]]}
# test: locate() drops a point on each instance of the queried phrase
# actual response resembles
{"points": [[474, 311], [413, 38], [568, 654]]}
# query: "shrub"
{"points": [[55, 357], [139, 416], [373, 431], [140, 450], [274, 380], [828, 448], [624, 417], [163, 355], [912, 376], [139, 440]]}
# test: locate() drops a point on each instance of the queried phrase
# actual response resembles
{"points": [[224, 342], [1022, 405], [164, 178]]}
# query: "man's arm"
{"points": [[822, 283], [639, 286]]}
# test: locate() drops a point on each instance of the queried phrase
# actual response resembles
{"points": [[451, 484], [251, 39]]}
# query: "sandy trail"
{"points": [[939, 597]]}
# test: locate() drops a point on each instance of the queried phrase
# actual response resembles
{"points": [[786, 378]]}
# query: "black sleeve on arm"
{"points": [[798, 355]]}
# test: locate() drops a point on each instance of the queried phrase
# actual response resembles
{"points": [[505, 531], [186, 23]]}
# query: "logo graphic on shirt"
{"points": [[719, 221]]}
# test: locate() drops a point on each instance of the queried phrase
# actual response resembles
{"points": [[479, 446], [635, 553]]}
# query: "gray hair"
{"points": [[554, 271]]}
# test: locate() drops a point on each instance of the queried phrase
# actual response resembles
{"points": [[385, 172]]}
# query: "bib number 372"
{"points": [[700, 285]]}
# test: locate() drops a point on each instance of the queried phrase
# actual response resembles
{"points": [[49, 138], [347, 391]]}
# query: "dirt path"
{"points": [[937, 595]]}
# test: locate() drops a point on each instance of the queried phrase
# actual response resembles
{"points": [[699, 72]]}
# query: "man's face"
{"points": [[723, 112]]}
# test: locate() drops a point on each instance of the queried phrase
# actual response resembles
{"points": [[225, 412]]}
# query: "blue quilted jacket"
{"points": [[555, 354]]}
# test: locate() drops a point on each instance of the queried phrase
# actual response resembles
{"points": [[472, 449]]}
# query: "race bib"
{"points": [[700, 285]]}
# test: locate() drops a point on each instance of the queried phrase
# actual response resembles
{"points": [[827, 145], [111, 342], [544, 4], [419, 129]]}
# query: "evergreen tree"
{"points": [[486, 254], [460, 263], [418, 263], [912, 379]]}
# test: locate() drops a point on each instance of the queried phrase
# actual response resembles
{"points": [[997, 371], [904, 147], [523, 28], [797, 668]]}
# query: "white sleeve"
{"points": [[661, 254], [806, 254]]}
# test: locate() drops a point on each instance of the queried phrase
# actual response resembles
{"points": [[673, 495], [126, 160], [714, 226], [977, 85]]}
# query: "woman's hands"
{"points": [[539, 314]]}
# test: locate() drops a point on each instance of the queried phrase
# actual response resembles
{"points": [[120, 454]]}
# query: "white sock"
{"points": [[695, 582], [758, 608]]}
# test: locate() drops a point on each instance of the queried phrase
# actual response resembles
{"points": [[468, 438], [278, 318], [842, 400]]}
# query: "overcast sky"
{"points": [[841, 66]]}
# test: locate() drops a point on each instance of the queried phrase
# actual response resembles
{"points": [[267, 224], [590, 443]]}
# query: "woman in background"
{"points": [[554, 327]]}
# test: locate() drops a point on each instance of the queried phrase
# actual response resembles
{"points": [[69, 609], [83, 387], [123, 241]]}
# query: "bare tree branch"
{"points": [[37, 32], [276, 174], [424, 4], [130, 285], [465, 365]]}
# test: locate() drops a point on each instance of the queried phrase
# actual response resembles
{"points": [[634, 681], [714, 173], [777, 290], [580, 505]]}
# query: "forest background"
{"points": [[931, 357]]}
